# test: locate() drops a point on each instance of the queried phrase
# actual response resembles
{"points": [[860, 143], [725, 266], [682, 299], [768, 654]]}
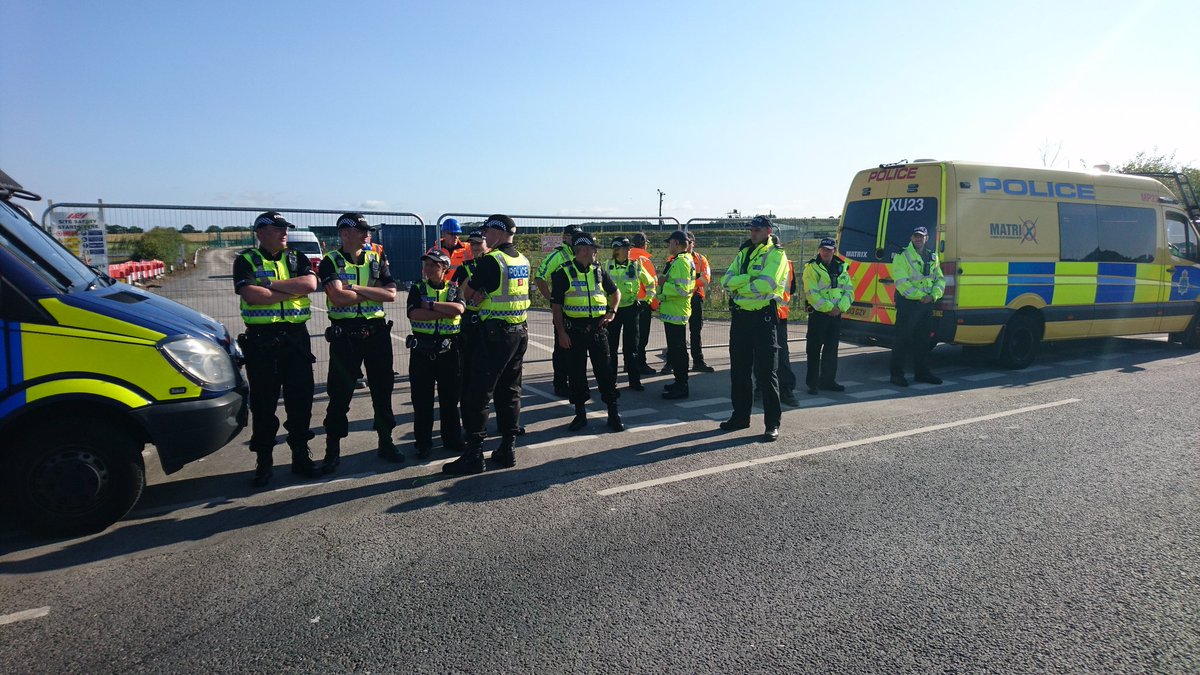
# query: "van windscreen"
{"points": [[898, 217]]}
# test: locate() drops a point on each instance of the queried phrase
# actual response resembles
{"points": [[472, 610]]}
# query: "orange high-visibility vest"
{"points": [[782, 310], [703, 273], [642, 254]]}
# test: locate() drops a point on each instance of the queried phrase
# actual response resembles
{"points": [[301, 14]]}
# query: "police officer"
{"points": [[755, 282], [357, 282], [919, 284], [638, 251], [470, 317], [273, 282], [502, 278], [634, 281], [557, 258], [828, 293], [583, 301], [435, 311], [783, 367], [675, 287], [696, 320]]}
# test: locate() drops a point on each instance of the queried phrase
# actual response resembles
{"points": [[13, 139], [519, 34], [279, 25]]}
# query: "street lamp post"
{"points": [[661, 194]]}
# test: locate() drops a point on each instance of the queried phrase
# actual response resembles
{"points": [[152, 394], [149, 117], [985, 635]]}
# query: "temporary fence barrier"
{"points": [[203, 257]]}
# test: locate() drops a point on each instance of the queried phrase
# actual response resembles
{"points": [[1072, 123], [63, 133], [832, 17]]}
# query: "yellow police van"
{"points": [[92, 370], [1028, 255]]}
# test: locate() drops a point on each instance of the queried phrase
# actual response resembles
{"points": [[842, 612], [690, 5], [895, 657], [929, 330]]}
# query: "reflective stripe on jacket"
{"points": [[823, 293], [510, 301], [757, 275], [293, 310], [585, 298], [917, 277], [675, 295], [447, 326], [365, 273], [631, 278]]}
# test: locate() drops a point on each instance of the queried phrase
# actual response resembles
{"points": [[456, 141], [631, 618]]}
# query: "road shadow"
{"points": [[220, 497], [152, 531]]}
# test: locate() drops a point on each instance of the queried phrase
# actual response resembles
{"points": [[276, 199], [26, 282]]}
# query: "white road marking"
{"points": [[638, 412], [540, 346], [339, 479], [543, 394], [873, 393], [24, 616], [563, 440], [665, 424], [979, 377], [701, 403], [926, 385], [159, 510], [826, 448]]}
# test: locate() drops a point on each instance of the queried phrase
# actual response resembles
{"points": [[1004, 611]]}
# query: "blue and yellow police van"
{"points": [[92, 371], [1029, 255]]}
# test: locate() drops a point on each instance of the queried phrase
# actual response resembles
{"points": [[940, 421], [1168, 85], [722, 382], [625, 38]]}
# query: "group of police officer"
{"points": [[469, 319]]}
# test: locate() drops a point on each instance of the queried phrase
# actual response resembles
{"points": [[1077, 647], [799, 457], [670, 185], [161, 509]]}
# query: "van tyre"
{"points": [[1191, 336], [1022, 338], [74, 480]]}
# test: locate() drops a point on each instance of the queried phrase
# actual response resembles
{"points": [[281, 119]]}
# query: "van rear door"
{"points": [[883, 208]]}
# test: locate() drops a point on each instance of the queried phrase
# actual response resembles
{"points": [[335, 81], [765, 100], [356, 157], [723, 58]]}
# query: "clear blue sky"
{"points": [[574, 108]]}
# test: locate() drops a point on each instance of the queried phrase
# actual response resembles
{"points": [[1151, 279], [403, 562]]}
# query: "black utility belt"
{"points": [[768, 313], [356, 330], [582, 325], [431, 344]]}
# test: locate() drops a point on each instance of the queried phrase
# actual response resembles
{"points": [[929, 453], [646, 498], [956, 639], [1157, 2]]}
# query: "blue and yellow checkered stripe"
{"points": [[983, 285]]}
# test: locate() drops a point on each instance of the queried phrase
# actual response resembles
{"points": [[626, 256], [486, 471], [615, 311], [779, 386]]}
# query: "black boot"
{"points": [[263, 468], [302, 464], [614, 418], [387, 449], [635, 382], [505, 455], [333, 455], [580, 420], [471, 462]]}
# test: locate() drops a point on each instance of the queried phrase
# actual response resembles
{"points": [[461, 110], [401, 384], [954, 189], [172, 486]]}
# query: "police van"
{"points": [[1029, 255], [93, 370]]}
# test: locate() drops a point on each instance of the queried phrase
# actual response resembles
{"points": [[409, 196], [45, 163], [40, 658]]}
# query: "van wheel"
{"points": [[1022, 337], [75, 480], [1191, 336]]}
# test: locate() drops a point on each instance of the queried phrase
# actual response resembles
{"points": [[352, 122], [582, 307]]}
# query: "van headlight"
{"points": [[202, 360]]}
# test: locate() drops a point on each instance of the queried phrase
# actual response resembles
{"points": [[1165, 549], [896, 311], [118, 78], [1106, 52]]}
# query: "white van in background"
{"points": [[307, 243]]}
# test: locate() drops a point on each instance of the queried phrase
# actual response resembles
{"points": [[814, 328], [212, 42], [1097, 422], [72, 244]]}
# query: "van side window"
{"points": [[1096, 233], [1181, 237]]}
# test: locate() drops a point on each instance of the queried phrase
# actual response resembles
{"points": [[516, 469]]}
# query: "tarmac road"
{"points": [[1035, 520]]}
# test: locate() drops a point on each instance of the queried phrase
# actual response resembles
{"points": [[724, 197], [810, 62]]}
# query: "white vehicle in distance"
{"points": [[307, 243]]}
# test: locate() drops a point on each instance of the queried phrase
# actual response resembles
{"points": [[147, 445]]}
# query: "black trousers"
{"points": [[677, 355], [589, 340], [914, 330], [496, 372], [558, 361], [279, 358], [349, 354], [428, 371], [753, 343], [627, 320], [644, 317], [822, 349], [787, 377], [472, 332], [695, 326]]}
